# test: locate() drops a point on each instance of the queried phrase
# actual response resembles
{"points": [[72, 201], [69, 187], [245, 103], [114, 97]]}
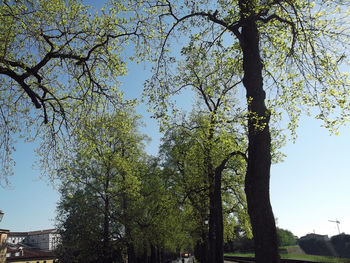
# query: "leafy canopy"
{"points": [[58, 62], [304, 50]]}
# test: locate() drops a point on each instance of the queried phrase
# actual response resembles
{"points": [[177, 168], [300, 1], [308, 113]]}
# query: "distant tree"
{"points": [[285, 237], [242, 241], [198, 161], [111, 187], [317, 245], [341, 244], [81, 229], [101, 188], [211, 148], [161, 228]]}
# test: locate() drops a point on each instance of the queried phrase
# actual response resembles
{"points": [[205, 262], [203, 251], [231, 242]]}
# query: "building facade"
{"points": [[27, 255], [42, 239]]}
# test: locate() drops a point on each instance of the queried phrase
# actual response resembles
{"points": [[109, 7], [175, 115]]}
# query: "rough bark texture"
{"points": [[216, 229], [257, 182]]}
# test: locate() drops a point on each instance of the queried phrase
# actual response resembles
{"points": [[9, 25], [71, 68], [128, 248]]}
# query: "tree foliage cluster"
{"points": [[317, 245], [285, 237], [59, 61], [322, 245], [144, 208], [242, 243], [341, 244], [115, 200]]}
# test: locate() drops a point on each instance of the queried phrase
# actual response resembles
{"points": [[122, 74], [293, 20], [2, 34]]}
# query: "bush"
{"points": [[241, 244], [341, 244], [317, 245], [285, 237]]}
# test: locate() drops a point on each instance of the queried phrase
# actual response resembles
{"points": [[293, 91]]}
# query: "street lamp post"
{"points": [[337, 222]]}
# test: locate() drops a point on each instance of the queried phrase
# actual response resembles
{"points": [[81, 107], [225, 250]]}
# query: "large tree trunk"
{"points": [[216, 229], [257, 180]]}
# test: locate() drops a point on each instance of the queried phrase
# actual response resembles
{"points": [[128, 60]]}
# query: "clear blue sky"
{"points": [[309, 188], [312, 185]]}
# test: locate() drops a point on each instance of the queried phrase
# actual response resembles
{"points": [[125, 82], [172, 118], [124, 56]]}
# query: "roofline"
{"points": [[36, 232], [16, 258]]}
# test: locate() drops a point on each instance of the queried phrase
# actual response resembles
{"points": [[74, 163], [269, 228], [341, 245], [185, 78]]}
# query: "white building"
{"points": [[42, 239]]}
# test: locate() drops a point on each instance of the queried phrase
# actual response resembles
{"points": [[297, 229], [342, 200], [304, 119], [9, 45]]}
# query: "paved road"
{"points": [[190, 260], [187, 260]]}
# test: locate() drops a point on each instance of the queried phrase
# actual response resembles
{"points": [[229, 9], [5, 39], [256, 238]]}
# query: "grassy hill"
{"points": [[295, 252]]}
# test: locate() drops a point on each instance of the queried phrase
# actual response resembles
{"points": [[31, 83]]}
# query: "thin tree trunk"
{"points": [[131, 253], [153, 257], [257, 180], [212, 230], [106, 240], [106, 248], [218, 217]]}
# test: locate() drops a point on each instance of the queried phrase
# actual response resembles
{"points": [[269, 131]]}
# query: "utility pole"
{"points": [[337, 222]]}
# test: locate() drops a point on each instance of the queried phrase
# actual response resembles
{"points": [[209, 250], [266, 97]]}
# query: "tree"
{"points": [[101, 187], [285, 237], [220, 122], [215, 87], [80, 225], [161, 230], [315, 244], [208, 179], [57, 62], [294, 50], [118, 192], [341, 245]]}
